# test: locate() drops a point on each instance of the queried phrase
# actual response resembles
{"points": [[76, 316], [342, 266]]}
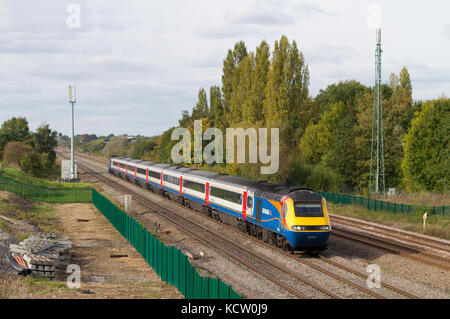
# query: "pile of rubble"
{"points": [[42, 253]]}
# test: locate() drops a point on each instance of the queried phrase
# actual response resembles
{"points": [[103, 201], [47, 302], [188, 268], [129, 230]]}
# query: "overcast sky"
{"points": [[137, 64]]}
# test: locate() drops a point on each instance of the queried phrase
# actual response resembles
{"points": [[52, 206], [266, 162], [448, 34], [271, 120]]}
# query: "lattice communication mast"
{"points": [[377, 184]]}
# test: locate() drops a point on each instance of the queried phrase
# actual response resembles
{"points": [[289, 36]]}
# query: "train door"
{"points": [[250, 205], [258, 211]]}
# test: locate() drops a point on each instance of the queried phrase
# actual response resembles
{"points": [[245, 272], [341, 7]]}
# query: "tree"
{"points": [[201, 109], [258, 83], [426, 164], [14, 130], [216, 107], [329, 142], [344, 91], [286, 94], [185, 119], [44, 142], [13, 152], [240, 97]]}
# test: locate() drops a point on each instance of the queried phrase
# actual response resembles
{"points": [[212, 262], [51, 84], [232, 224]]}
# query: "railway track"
{"points": [[393, 247], [308, 263], [430, 244]]}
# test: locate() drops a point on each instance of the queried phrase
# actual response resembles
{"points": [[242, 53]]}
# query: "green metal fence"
{"points": [[379, 205], [167, 261], [58, 194]]}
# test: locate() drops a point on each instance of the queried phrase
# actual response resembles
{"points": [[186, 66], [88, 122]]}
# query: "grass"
{"points": [[419, 198], [36, 189], [20, 287], [38, 214], [42, 216], [436, 225]]}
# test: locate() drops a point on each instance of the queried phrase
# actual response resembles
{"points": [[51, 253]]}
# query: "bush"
{"points": [[316, 177], [37, 164], [15, 151], [94, 147], [142, 147]]}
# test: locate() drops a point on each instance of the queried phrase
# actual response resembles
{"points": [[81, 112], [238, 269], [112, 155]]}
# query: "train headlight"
{"points": [[326, 227], [297, 227]]}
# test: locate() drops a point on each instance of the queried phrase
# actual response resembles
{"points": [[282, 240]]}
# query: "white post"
{"points": [[424, 219], [127, 201]]}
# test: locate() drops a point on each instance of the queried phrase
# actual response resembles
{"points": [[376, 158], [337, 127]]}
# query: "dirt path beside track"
{"points": [[94, 240]]}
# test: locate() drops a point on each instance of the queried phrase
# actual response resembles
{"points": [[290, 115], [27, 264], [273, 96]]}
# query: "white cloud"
{"points": [[271, 12], [149, 58]]}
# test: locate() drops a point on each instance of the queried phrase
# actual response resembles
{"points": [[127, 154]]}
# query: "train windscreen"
{"points": [[303, 209]]}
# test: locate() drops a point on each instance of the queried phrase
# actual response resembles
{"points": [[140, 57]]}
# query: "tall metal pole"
{"points": [[72, 100]]}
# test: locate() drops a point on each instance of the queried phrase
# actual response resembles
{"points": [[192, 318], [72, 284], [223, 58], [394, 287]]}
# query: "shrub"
{"points": [[15, 151], [36, 164], [316, 177]]}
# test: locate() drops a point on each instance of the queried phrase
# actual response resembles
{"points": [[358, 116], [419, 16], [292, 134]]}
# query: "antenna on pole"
{"points": [[72, 101], [376, 183]]}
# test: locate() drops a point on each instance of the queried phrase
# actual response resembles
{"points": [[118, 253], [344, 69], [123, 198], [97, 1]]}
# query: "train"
{"points": [[293, 218]]}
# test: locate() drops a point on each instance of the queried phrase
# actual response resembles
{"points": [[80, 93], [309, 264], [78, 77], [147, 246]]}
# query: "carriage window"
{"points": [[154, 174], [226, 195], [199, 187], [171, 179]]}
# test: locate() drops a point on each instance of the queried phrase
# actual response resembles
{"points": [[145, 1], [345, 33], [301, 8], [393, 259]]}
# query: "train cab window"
{"points": [[308, 209]]}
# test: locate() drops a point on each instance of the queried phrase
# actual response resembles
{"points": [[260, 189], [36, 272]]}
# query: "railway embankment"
{"points": [[109, 266]]}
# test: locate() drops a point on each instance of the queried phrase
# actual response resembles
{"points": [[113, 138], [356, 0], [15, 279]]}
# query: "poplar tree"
{"points": [[201, 109], [240, 97], [216, 107], [258, 83], [286, 96]]}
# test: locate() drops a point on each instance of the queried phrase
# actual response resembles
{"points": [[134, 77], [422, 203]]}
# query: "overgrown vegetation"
{"points": [[33, 152]]}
